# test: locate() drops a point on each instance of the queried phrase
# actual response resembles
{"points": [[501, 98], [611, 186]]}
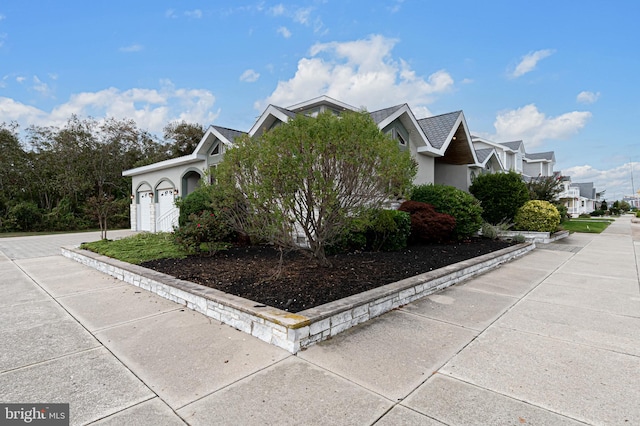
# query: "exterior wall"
{"points": [[531, 169], [453, 175], [426, 172]]}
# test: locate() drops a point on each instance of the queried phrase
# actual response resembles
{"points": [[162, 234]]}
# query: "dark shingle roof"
{"points": [[540, 155], [515, 145], [289, 113], [380, 115], [483, 154], [437, 128], [230, 134]]}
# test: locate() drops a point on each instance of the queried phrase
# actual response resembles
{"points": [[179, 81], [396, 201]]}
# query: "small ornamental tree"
{"points": [[546, 188], [500, 195], [309, 176], [427, 225]]}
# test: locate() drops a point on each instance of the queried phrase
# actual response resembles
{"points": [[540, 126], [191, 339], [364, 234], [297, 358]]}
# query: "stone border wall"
{"points": [[286, 330]]}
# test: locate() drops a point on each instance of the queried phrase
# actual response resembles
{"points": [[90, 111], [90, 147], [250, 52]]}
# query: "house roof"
{"points": [[549, 156], [483, 154], [513, 145], [438, 128], [229, 134], [382, 114]]}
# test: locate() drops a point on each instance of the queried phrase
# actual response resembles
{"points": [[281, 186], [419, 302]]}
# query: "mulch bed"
{"points": [[253, 272]]}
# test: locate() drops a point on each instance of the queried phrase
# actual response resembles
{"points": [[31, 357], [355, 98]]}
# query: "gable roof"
{"points": [[483, 154], [587, 189], [514, 145], [382, 114], [438, 128], [229, 134]]}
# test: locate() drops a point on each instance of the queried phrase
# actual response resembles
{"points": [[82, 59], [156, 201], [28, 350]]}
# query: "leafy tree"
{"points": [[604, 206], [310, 176], [500, 195], [183, 137], [624, 206], [545, 188]]}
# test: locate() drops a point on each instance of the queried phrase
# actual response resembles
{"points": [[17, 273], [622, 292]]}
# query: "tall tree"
{"points": [[183, 137], [310, 176]]}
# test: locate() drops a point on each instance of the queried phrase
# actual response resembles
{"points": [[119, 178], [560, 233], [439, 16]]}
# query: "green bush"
{"points": [[464, 208], [203, 232], [537, 215], [597, 213], [427, 225], [563, 210], [637, 213], [376, 230], [584, 216], [195, 203], [388, 230], [500, 195], [26, 216]]}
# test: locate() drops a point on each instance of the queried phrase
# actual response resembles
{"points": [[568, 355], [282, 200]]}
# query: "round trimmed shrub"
{"points": [[198, 201], [464, 208], [500, 195], [537, 215]]}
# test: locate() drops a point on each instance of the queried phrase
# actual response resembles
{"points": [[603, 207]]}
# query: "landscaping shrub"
{"points": [[452, 201], [427, 225], [584, 216], [376, 230], [203, 232], [388, 230], [500, 195], [563, 210], [537, 215], [195, 203], [597, 213], [637, 213]]}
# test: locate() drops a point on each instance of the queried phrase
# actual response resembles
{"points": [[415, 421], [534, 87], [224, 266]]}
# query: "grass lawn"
{"points": [[138, 248], [594, 226]]}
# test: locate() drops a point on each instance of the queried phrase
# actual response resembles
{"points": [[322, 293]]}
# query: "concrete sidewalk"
{"points": [[552, 338]]}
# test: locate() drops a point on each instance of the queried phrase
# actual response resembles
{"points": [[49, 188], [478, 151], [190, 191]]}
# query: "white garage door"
{"points": [[145, 210]]}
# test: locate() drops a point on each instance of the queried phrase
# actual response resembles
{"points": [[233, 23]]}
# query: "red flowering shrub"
{"points": [[427, 225]]}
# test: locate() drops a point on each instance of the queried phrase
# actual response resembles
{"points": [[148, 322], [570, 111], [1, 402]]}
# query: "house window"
{"points": [[395, 134], [216, 149]]}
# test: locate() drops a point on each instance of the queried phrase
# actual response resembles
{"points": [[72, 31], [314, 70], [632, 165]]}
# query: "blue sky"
{"points": [[561, 75]]}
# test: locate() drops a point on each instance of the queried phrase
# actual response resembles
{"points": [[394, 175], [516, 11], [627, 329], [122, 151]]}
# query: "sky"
{"points": [[560, 75]]}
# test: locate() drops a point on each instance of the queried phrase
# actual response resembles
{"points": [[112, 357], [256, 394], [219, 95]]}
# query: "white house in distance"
{"points": [[441, 145], [580, 198]]}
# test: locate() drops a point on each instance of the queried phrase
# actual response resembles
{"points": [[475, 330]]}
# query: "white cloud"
{"points": [[249, 76], [534, 127], [170, 13], [529, 61], [277, 10], [131, 48], [196, 13], [616, 181], [586, 97], [41, 87], [2, 17], [361, 73], [395, 7], [302, 16], [150, 108], [284, 31], [20, 79]]}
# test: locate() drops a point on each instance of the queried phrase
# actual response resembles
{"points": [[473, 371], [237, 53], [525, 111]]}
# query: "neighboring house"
{"points": [[579, 198], [442, 146], [633, 200]]}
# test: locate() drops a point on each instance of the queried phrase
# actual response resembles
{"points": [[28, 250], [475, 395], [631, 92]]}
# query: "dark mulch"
{"points": [[251, 272]]}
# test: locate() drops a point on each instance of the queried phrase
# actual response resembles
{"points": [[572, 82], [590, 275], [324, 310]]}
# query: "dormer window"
{"points": [[396, 135], [216, 149]]}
